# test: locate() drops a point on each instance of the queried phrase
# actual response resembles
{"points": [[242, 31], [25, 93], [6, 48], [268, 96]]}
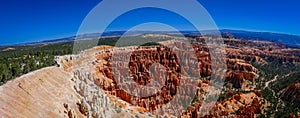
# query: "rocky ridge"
{"points": [[85, 85]]}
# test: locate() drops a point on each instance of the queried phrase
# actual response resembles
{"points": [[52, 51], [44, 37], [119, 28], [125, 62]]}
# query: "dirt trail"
{"points": [[272, 80], [273, 92]]}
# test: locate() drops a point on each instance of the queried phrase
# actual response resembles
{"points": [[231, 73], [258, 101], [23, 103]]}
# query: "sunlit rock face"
{"points": [[90, 89], [86, 85], [142, 62], [291, 93], [46, 92], [241, 74], [139, 68]]}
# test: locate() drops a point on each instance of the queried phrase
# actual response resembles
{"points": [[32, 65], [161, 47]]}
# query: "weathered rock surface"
{"points": [[239, 105], [291, 93], [39, 94], [64, 91], [85, 85]]}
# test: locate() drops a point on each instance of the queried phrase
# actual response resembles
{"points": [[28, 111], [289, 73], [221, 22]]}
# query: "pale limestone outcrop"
{"points": [[39, 94]]}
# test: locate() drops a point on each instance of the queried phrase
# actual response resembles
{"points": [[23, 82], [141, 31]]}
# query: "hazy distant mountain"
{"points": [[290, 40]]}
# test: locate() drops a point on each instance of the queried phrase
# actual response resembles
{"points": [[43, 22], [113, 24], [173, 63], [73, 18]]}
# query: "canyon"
{"points": [[145, 81]]}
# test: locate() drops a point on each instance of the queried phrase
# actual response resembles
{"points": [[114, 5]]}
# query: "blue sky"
{"points": [[36, 20]]}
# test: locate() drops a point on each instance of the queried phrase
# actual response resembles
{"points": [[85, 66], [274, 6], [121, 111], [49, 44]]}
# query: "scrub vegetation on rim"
{"points": [[180, 48]]}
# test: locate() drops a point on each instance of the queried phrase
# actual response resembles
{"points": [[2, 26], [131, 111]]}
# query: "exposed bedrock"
{"points": [[139, 68]]}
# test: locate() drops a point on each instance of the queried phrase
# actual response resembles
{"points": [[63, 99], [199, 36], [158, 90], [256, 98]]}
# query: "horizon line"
{"points": [[178, 31]]}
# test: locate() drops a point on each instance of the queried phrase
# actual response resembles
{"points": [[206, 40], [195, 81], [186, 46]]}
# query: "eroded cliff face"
{"points": [[85, 85], [102, 76], [67, 90], [291, 93], [261, 51], [96, 102]]}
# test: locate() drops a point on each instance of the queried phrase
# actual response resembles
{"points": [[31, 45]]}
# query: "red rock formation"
{"points": [[291, 93], [143, 58], [258, 93]]}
